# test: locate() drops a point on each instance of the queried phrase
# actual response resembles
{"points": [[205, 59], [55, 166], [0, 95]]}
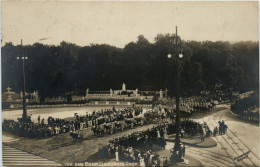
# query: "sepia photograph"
{"points": [[130, 83]]}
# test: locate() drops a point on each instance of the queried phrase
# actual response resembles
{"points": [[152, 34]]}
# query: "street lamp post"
{"points": [[177, 153], [24, 116]]}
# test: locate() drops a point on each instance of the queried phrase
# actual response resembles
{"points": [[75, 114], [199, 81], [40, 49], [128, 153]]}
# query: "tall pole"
{"points": [[177, 145], [24, 98]]}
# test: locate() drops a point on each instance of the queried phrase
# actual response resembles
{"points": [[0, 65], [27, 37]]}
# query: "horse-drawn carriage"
{"points": [[114, 126], [120, 126], [109, 127], [140, 120], [130, 122], [151, 114], [76, 136]]}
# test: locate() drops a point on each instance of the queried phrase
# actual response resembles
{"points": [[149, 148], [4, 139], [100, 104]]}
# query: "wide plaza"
{"points": [[240, 138], [149, 84]]}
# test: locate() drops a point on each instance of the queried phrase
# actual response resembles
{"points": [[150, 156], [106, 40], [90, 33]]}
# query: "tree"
{"points": [[57, 70]]}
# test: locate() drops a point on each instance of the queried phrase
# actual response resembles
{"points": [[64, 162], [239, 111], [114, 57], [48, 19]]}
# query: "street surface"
{"points": [[241, 137], [14, 157]]}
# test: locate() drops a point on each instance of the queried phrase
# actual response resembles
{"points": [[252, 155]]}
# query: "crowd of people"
{"points": [[41, 129], [109, 119], [221, 129], [104, 121], [131, 155], [137, 147], [192, 128], [140, 146], [220, 92], [247, 108]]}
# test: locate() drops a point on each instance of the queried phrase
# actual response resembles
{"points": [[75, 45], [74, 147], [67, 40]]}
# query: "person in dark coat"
{"points": [[39, 119], [183, 151]]}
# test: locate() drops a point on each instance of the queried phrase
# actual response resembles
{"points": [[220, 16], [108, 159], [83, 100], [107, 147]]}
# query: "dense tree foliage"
{"points": [[57, 70]]}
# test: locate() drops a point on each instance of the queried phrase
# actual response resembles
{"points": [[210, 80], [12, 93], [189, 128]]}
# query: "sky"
{"points": [[118, 23]]}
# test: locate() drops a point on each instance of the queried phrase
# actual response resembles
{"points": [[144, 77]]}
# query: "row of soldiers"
{"points": [[189, 105], [196, 104]]}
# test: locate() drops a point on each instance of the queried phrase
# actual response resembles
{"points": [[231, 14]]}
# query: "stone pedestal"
{"points": [[111, 92], [123, 87], [87, 92], [176, 157], [161, 93], [136, 92]]}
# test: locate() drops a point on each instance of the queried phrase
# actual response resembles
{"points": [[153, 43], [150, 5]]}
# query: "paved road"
{"points": [[230, 145], [15, 157], [241, 138]]}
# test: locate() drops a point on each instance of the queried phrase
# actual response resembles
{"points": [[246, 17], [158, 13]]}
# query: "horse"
{"points": [[76, 136]]}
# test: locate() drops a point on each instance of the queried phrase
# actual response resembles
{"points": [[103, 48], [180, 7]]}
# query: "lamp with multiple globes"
{"points": [[176, 155]]}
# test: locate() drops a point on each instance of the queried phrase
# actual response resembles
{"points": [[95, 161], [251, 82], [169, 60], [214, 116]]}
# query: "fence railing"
{"points": [[91, 103]]}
